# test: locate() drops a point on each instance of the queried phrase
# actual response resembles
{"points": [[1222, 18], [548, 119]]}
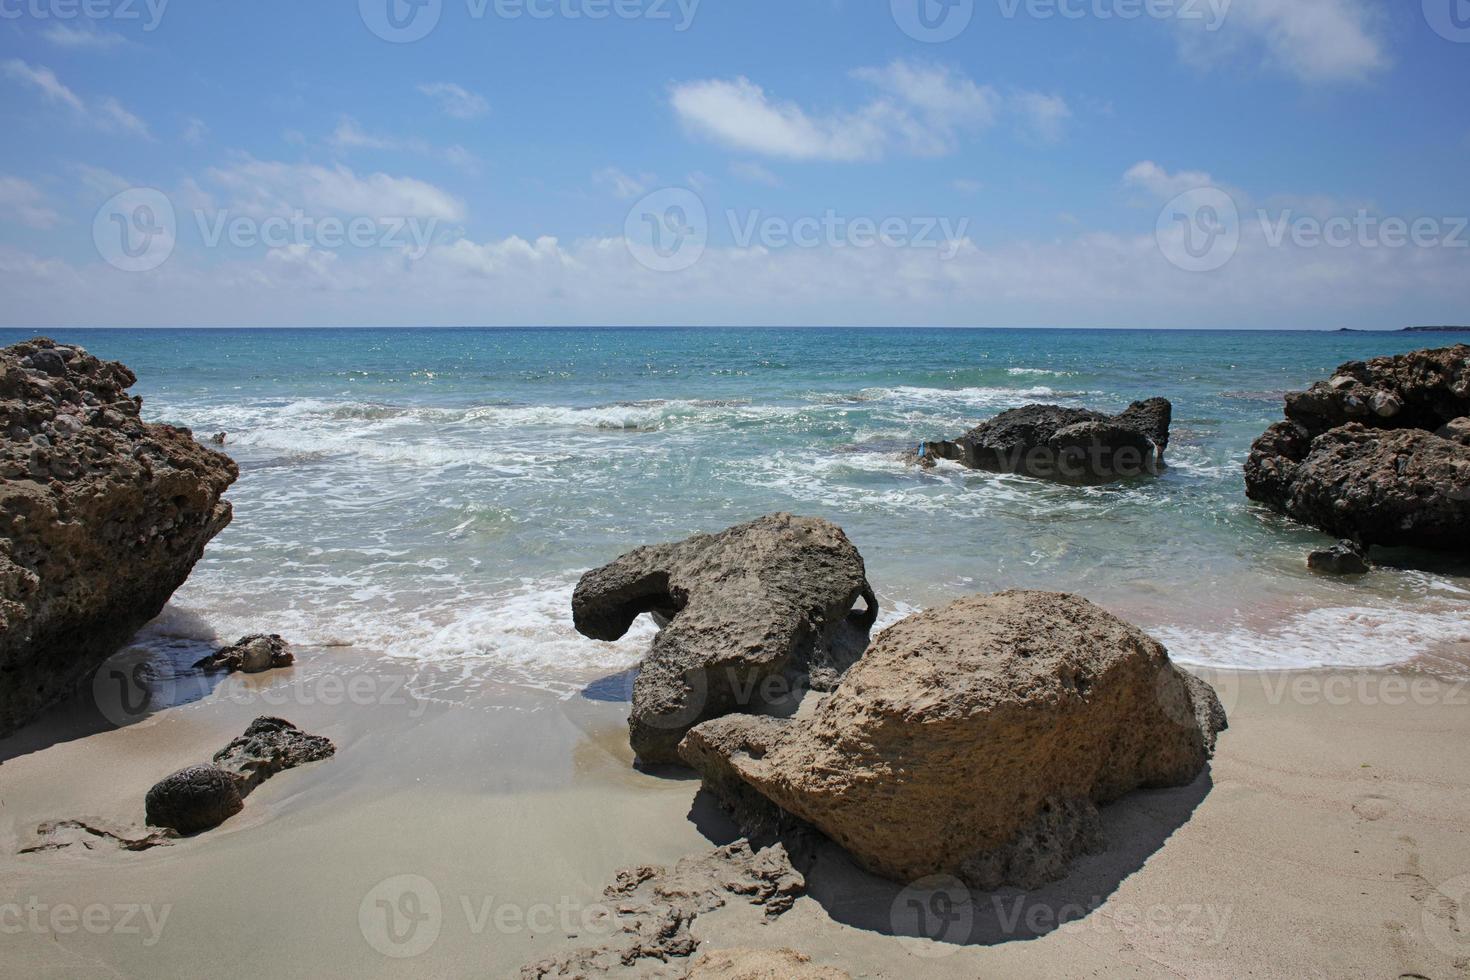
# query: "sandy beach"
{"points": [[1315, 846]]}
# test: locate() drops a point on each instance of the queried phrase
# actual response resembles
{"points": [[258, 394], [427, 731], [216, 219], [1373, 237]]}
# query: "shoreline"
{"points": [[519, 807]]}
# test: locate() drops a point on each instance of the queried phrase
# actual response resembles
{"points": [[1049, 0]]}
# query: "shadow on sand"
{"points": [[127, 689], [943, 910]]}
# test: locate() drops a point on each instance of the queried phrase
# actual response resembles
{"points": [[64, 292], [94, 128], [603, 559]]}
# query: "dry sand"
{"points": [[477, 834]]}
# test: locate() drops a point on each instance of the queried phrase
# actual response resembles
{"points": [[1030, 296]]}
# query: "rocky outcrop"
{"points": [[750, 612], [250, 655], [1378, 454], [1070, 445], [761, 964], [650, 910], [102, 516], [975, 740], [203, 797]]}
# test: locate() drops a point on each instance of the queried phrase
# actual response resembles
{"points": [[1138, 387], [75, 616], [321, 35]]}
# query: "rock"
{"points": [[91, 835], [194, 799], [269, 746], [1070, 445], [1455, 430], [1343, 558], [219, 438], [761, 964], [975, 740], [251, 655], [649, 911], [750, 612], [101, 518], [1380, 454]]}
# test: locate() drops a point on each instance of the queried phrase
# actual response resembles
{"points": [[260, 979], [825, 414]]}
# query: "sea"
{"points": [[433, 495]]}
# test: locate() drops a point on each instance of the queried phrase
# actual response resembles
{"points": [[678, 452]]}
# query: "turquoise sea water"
{"points": [[433, 495]]}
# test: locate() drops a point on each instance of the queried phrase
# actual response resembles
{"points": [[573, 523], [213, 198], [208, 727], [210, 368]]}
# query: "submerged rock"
{"points": [[203, 797], [194, 799], [102, 517], [975, 740], [749, 612], [1343, 558], [250, 655], [1070, 445], [1378, 454]]}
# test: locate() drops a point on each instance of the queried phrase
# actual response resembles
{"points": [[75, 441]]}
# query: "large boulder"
{"points": [[772, 600], [269, 746], [976, 740], [194, 799], [252, 654], [1378, 454], [102, 517], [1070, 445]]}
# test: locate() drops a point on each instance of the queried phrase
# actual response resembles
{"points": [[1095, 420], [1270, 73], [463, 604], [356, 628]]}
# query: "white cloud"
{"points": [[623, 185], [754, 173], [82, 37], [195, 129], [1161, 184], [108, 114], [1315, 40], [1045, 115], [273, 188], [24, 201], [915, 109], [456, 100], [349, 135], [967, 186]]}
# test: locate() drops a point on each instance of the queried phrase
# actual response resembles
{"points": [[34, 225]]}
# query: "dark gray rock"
{"points": [[1343, 558], [1379, 454], [269, 746], [1069, 445], [194, 799], [750, 612]]}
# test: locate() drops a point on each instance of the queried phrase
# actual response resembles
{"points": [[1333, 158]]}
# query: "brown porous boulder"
{"points": [[977, 740], [102, 517]]}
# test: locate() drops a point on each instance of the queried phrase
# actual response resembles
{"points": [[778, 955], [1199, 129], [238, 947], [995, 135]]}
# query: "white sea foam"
{"points": [[1333, 636], [1018, 372]]}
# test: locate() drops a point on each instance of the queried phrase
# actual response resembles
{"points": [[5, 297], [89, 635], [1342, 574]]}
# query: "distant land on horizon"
{"points": [[1409, 330]]}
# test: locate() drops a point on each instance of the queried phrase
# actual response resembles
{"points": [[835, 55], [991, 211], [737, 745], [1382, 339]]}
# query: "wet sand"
{"points": [[468, 836]]}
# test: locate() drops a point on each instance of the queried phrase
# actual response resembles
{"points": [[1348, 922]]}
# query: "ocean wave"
{"points": [[1332, 636], [1017, 372]]}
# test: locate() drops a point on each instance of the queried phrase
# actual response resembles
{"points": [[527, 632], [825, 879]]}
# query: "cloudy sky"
{"points": [[1109, 163]]}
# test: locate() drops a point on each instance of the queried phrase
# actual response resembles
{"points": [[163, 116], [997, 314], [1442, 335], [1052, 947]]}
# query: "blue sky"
{"points": [[1028, 170]]}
